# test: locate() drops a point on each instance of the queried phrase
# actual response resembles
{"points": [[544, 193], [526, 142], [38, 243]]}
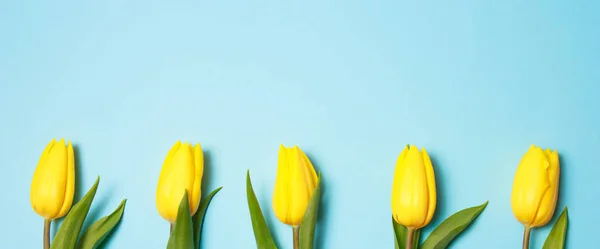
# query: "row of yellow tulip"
{"points": [[413, 201]]}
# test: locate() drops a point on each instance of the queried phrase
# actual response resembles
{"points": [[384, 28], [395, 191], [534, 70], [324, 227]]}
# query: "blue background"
{"points": [[351, 82]]}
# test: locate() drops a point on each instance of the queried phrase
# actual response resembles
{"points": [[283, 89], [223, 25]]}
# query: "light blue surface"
{"points": [[351, 82]]}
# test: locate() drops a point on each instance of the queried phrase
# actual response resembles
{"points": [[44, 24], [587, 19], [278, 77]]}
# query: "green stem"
{"points": [[409, 238], [526, 236], [47, 234], [170, 229], [296, 230]]}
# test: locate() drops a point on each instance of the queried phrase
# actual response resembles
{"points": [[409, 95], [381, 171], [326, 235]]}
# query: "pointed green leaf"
{"points": [[442, 235], [96, 233], [182, 236], [66, 237], [556, 238], [199, 216], [309, 221], [400, 233], [263, 237]]}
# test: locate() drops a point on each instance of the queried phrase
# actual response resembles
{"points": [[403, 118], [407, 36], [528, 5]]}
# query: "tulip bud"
{"points": [[53, 181], [296, 180], [181, 171], [413, 190], [535, 187]]}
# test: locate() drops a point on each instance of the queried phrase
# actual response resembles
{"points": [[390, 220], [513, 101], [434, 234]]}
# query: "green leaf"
{"points": [[309, 221], [263, 237], [199, 216], [66, 237], [96, 233], [182, 236], [556, 238], [442, 235], [400, 233]]}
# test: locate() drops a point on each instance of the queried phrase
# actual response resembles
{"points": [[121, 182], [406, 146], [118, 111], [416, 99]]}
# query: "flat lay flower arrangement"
{"points": [[295, 200]]}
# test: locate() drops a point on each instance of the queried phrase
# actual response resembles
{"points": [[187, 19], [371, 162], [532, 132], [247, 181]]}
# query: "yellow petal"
{"points": [[70, 188], [554, 171], [309, 172], [176, 176], [296, 181], [199, 170], [547, 154], [303, 182], [548, 203], [411, 197], [430, 187], [396, 186], [50, 181], [530, 185], [402, 157], [282, 191], [36, 202]]}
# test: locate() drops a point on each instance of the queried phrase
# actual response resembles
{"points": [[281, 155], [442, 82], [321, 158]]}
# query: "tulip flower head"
{"points": [[53, 183], [535, 187], [296, 180], [413, 190], [182, 171]]}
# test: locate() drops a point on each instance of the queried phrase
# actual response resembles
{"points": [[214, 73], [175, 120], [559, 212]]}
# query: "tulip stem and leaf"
{"points": [[450, 228], [401, 234], [526, 236], [182, 236], [556, 238], [305, 233], [443, 234], [410, 234], [186, 231], [47, 234], [198, 218], [296, 237], [98, 231], [309, 220], [66, 237], [262, 234]]}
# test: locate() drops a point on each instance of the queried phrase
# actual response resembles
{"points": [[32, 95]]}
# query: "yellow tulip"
{"points": [[53, 181], [535, 187], [296, 180], [181, 171], [413, 190]]}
